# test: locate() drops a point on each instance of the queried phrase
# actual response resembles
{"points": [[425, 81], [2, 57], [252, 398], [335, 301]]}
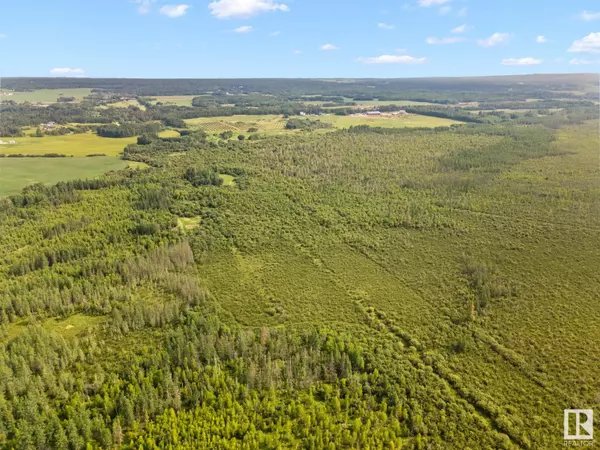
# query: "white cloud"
{"points": [[297, 52], [428, 3], [174, 11], [144, 6], [460, 29], [329, 47], [494, 39], [385, 26], [275, 33], [588, 16], [392, 59], [3, 36], [578, 62], [243, 29], [445, 10], [521, 61], [462, 12], [228, 9], [445, 40], [541, 39], [589, 44], [67, 71]]}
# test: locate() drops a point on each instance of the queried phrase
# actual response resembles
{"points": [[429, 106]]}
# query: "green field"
{"points": [[409, 121], [274, 124], [46, 96], [239, 124], [16, 173], [179, 100], [78, 145]]}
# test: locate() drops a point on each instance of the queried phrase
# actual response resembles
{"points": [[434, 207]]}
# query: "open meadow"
{"points": [[45, 96], [78, 145], [178, 100], [16, 173]]}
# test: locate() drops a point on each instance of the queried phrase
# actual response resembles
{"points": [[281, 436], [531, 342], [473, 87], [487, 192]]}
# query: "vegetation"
{"points": [[364, 287]]}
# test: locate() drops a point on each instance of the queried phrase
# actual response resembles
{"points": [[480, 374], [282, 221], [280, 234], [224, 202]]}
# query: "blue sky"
{"points": [[297, 38]]}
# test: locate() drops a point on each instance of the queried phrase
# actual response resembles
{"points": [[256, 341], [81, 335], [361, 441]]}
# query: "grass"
{"points": [[46, 96], [125, 104], [67, 328], [16, 173], [188, 223], [275, 124], [228, 180], [411, 120], [168, 133], [179, 100], [78, 145]]}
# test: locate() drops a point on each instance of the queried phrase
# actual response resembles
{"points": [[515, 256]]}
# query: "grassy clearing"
{"points": [[274, 124], [179, 100], [67, 328], [78, 145], [228, 180], [188, 223], [125, 104], [168, 133], [411, 120], [16, 173], [46, 96], [239, 124]]}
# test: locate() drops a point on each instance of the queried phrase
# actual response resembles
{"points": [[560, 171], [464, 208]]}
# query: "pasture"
{"points": [[78, 145], [16, 173], [275, 124], [409, 121], [45, 96], [178, 100]]}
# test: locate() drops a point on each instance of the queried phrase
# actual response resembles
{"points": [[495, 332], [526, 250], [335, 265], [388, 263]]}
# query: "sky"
{"points": [[297, 38]]}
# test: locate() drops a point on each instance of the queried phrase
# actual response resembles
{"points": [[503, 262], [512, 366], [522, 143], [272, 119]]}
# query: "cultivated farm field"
{"points": [[78, 145], [46, 96], [16, 173]]}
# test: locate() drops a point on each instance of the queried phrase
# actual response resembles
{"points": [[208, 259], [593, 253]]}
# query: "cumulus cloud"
{"points": [[392, 59], [243, 29], [495, 39], [541, 39], [589, 44], [588, 16], [67, 71], [428, 3], [385, 26], [174, 11], [144, 6], [329, 47], [521, 61], [445, 40], [459, 29], [581, 62], [228, 9]]}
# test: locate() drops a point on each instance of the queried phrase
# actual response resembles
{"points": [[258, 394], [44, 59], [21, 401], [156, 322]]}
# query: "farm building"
{"points": [[373, 113]]}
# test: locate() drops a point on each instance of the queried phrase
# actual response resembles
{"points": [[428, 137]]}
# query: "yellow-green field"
{"points": [[275, 124], [45, 96], [239, 124], [125, 104], [411, 121], [69, 327], [16, 173], [179, 100], [78, 145], [168, 133]]}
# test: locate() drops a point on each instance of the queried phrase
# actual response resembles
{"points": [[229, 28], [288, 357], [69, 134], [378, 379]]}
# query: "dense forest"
{"points": [[403, 288]]}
